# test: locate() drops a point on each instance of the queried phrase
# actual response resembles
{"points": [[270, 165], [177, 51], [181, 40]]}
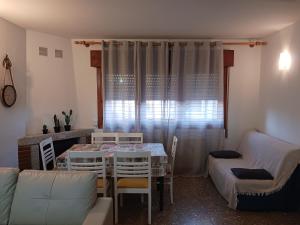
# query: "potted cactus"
{"points": [[56, 124], [45, 129], [67, 119]]}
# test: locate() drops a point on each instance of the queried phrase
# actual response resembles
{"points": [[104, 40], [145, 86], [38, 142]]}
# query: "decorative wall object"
{"points": [[58, 53], [9, 93], [43, 51]]}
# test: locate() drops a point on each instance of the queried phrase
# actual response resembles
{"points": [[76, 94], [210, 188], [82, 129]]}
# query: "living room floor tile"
{"points": [[197, 202]]}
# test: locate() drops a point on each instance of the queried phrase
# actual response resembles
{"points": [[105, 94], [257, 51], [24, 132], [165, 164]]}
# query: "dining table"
{"points": [[159, 159]]}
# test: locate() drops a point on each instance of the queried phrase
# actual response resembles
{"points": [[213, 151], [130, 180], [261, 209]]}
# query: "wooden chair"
{"points": [[47, 153], [170, 172], [132, 174], [130, 138], [90, 161], [104, 138]]}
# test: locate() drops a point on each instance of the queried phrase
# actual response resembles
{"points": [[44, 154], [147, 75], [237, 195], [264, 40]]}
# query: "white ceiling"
{"points": [[153, 18]]}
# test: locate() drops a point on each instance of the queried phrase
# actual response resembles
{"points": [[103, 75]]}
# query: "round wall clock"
{"points": [[9, 93]]}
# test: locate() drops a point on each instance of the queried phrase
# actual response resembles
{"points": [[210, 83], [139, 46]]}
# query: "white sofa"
{"points": [[51, 197], [259, 151]]}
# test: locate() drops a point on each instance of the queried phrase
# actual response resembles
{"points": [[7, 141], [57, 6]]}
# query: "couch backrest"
{"points": [[52, 197], [263, 151], [8, 181]]}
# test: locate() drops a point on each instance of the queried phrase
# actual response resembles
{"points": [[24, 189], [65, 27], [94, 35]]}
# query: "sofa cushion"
{"points": [[252, 174], [53, 197], [132, 183], [8, 180], [225, 154]]}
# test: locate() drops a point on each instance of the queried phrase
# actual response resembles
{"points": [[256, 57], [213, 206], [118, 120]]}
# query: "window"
{"points": [[120, 110], [154, 109], [158, 110]]}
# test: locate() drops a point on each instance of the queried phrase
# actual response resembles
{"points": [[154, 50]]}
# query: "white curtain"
{"points": [[120, 86], [164, 90]]}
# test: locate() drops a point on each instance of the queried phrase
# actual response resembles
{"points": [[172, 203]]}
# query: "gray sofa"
{"points": [[51, 197]]}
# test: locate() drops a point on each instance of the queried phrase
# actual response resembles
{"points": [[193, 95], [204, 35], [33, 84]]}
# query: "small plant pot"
{"points": [[45, 131], [67, 127], [56, 129]]}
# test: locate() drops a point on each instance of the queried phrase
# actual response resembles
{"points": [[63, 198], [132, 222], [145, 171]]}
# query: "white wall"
{"points": [[51, 86], [86, 86], [280, 91], [243, 93], [12, 120]]}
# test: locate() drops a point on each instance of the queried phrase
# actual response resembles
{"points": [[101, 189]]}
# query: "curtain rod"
{"points": [[247, 43]]}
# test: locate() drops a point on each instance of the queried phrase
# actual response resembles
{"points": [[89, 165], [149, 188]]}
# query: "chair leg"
{"points": [[116, 207], [111, 189], [142, 199], [121, 200], [171, 190], [149, 208]]}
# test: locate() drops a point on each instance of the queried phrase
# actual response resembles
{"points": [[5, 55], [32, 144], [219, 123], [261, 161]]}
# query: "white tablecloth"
{"points": [[159, 158]]}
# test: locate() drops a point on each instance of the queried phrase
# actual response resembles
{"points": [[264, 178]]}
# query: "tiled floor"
{"points": [[198, 202]]}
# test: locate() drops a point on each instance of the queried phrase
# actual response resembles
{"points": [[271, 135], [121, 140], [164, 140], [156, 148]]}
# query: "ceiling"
{"points": [[152, 18]]}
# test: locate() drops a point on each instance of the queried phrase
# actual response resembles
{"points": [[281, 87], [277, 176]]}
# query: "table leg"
{"points": [[157, 185], [161, 193]]}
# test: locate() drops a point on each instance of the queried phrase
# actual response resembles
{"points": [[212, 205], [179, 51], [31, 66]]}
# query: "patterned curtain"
{"points": [[166, 89]]}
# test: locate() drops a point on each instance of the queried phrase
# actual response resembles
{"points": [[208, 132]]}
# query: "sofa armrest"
{"points": [[101, 213]]}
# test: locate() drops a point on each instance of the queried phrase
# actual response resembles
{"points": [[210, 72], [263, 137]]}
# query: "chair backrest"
{"points": [[173, 152], [130, 138], [132, 164], [47, 152], [104, 138], [93, 161]]}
